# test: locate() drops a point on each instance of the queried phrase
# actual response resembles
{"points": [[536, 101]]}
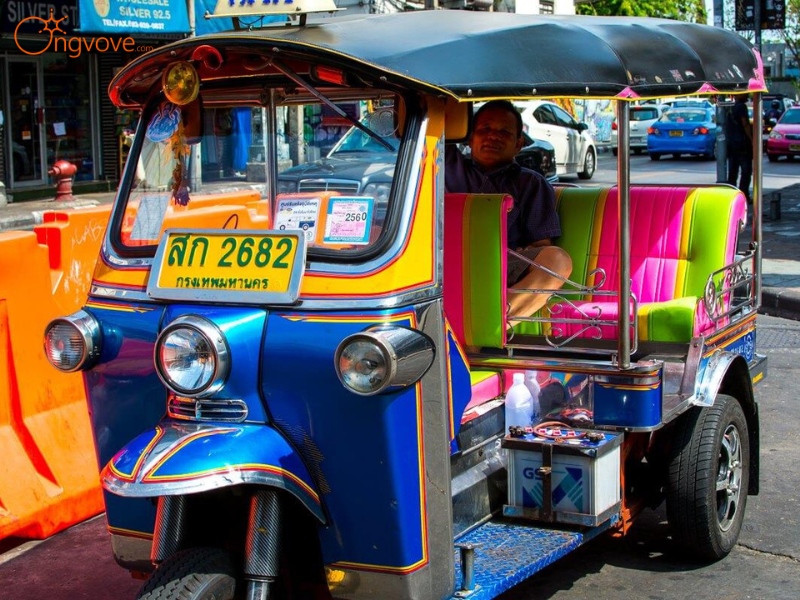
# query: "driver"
{"points": [[532, 222]]}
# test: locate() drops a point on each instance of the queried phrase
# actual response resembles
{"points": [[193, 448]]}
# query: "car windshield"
{"points": [[684, 115], [644, 114], [791, 117], [211, 171]]}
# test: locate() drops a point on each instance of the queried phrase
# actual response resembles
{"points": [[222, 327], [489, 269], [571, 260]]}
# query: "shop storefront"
{"points": [[54, 75]]}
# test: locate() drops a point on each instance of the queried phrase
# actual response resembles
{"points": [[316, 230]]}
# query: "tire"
{"points": [[707, 481], [589, 165], [193, 574], [772, 157], [676, 155], [655, 156], [614, 151]]}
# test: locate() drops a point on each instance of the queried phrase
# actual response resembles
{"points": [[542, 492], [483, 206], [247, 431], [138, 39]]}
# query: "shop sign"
{"points": [[25, 17], [124, 17]]}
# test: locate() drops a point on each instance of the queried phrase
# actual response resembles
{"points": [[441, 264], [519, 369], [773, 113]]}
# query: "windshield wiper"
{"points": [[321, 97]]}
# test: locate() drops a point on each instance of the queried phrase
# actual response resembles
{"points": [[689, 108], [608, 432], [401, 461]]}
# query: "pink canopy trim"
{"points": [[707, 88], [757, 83], [627, 93]]}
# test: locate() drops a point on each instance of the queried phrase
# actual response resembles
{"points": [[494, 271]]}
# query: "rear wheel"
{"points": [[655, 156], [589, 165], [193, 574], [708, 477], [614, 151]]}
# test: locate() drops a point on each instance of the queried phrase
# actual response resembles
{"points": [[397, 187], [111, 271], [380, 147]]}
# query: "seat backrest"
{"points": [[679, 235], [475, 267]]}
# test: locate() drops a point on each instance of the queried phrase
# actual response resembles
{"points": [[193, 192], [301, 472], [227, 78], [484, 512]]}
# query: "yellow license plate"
{"points": [[225, 264], [795, 147], [676, 134]]}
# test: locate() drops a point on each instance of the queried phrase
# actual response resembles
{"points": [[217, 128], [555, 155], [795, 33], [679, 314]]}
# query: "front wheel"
{"points": [[193, 574], [655, 156], [589, 164], [772, 157], [708, 478]]}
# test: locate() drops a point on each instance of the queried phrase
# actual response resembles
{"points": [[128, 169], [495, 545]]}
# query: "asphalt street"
{"points": [[78, 564]]}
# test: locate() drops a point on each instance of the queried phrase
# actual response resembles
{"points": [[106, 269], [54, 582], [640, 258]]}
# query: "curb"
{"points": [[780, 302], [27, 219]]}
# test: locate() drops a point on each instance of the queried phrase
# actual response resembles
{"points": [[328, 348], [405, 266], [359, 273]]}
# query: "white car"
{"points": [[576, 153], [642, 117]]}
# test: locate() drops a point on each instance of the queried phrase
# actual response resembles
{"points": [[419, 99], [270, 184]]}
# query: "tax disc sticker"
{"points": [[349, 220]]}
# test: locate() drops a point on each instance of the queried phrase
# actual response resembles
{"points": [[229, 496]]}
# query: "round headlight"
{"points": [[73, 342], [380, 358], [192, 356], [364, 366]]}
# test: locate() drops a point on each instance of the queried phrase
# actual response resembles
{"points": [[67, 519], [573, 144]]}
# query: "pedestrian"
{"points": [[495, 140], [739, 136]]}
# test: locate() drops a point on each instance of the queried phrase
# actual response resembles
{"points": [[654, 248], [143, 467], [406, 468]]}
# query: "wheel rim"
{"points": [[729, 477], [588, 165]]}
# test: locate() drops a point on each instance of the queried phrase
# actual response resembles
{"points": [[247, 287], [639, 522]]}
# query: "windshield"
{"points": [[644, 114], [685, 115], [211, 170], [791, 117]]}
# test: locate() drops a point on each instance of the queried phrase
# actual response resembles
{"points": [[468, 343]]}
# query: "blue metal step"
{"points": [[508, 552]]}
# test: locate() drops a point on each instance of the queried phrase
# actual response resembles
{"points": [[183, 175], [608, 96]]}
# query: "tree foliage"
{"points": [[791, 33], [681, 10]]}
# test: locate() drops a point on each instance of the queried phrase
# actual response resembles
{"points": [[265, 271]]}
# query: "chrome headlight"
{"points": [[192, 357], [372, 361], [286, 186], [73, 342], [379, 191]]}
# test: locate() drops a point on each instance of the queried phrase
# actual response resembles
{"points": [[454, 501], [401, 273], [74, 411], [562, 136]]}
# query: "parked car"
{"points": [[575, 149], [784, 139], [641, 117], [359, 164], [690, 129]]}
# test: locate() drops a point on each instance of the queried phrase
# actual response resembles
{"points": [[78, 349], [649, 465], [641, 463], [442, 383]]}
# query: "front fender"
{"points": [[188, 458]]}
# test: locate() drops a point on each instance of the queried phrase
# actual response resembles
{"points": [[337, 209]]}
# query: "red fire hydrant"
{"points": [[63, 171]]}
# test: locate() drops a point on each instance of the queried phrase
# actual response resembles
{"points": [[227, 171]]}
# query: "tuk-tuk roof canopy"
{"points": [[482, 55]]}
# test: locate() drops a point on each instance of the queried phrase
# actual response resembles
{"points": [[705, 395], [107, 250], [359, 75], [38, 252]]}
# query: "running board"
{"points": [[508, 552]]}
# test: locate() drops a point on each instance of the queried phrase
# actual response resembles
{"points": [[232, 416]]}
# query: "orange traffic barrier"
{"points": [[48, 471]]}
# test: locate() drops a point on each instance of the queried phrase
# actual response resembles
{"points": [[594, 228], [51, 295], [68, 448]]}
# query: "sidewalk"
{"points": [[781, 241]]}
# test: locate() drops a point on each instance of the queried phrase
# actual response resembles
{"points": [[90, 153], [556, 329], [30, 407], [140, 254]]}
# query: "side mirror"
{"points": [[582, 126]]}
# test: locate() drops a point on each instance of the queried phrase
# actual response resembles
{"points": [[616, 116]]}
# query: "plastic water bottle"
{"points": [[535, 390], [519, 403]]}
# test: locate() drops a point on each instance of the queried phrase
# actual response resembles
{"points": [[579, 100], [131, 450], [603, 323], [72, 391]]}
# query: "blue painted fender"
{"points": [[187, 458]]}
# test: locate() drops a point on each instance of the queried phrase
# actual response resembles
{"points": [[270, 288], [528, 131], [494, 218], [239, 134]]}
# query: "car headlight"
{"points": [[379, 191], [382, 358], [286, 186], [775, 135], [192, 357], [73, 342]]}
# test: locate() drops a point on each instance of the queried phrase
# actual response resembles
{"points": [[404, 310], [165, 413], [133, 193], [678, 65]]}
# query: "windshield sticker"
{"points": [[298, 213], [349, 220]]}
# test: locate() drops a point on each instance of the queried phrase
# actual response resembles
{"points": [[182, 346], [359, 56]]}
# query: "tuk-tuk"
{"points": [[296, 363]]}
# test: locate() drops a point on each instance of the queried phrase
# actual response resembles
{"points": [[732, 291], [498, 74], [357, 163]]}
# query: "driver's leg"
{"points": [[525, 304]]}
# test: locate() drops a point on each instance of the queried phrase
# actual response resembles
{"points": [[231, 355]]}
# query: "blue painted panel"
{"points": [[625, 407], [364, 451], [125, 396]]}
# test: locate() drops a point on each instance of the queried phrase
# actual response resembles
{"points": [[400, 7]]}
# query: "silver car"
{"points": [[575, 149]]}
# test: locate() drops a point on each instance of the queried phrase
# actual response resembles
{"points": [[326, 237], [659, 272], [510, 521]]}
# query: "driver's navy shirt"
{"points": [[533, 216]]}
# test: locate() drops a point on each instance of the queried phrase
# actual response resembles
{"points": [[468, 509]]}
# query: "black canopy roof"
{"points": [[482, 55]]}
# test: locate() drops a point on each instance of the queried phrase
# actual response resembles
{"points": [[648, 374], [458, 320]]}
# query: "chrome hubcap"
{"points": [[729, 477]]}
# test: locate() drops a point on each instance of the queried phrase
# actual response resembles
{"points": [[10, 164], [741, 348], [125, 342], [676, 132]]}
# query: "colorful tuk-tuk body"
{"points": [[296, 349]]}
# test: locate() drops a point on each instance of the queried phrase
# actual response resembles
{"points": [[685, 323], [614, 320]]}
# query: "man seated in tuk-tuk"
{"points": [[495, 139]]}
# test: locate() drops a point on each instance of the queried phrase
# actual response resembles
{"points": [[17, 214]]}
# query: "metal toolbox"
{"points": [[569, 480]]}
